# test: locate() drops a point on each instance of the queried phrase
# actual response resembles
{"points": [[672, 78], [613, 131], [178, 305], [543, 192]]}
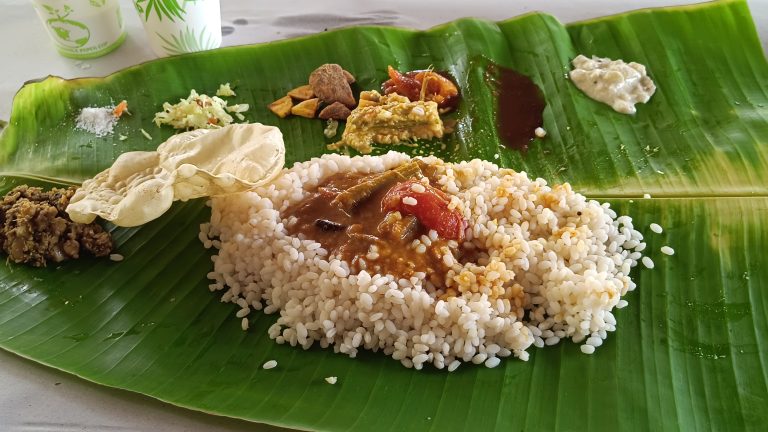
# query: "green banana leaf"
{"points": [[691, 348]]}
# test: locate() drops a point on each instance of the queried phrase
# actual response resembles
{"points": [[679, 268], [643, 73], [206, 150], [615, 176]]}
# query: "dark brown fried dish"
{"points": [[35, 228], [330, 84]]}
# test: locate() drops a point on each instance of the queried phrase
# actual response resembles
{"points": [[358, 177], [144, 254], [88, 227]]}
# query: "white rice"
{"points": [[331, 379], [666, 250], [418, 188], [270, 364], [551, 263], [648, 262], [656, 228]]}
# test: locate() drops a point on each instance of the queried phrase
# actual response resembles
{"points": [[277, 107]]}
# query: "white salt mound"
{"points": [[98, 121]]}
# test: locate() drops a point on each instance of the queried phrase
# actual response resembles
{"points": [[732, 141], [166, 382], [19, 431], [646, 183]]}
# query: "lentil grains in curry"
{"points": [[389, 223]]}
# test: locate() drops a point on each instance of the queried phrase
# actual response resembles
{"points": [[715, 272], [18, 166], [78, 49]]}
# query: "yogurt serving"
{"points": [[613, 82]]}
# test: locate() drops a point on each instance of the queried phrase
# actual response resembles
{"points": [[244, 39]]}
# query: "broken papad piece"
{"points": [[133, 191], [141, 186], [228, 160]]}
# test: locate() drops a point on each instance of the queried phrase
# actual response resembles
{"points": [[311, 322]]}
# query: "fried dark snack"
{"points": [[329, 83], [336, 111]]}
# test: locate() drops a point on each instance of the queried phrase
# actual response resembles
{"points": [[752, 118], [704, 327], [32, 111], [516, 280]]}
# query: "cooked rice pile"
{"points": [[552, 265]]}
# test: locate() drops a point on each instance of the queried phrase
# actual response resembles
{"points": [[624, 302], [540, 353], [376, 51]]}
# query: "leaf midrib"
{"points": [[585, 191]]}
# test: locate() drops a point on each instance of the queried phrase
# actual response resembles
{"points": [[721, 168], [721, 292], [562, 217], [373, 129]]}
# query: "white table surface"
{"points": [[37, 398]]}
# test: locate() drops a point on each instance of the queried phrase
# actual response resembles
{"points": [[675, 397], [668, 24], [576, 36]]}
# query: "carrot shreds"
{"points": [[120, 108]]}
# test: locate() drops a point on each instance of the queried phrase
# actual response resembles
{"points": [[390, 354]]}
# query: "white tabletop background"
{"points": [[37, 398]]}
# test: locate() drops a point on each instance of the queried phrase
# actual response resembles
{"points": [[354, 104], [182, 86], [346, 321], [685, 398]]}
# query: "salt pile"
{"points": [[98, 121]]}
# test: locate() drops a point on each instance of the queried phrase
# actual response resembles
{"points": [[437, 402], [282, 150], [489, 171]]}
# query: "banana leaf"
{"points": [[690, 351]]}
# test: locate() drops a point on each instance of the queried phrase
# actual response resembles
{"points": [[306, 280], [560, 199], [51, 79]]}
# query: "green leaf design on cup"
{"points": [[170, 9], [97, 3], [187, 41], [69, 33]]}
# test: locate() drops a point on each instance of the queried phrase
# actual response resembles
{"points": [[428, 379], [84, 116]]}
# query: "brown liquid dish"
{"points": [[364, 234], [520, 106]]}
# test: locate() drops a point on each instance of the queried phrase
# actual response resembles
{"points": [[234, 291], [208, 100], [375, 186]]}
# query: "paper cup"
{"points": [[82, 28], [180, 26]]}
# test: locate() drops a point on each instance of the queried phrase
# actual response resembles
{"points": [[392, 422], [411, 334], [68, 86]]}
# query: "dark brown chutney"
{"points": [[364, 234], [520, 106]]}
